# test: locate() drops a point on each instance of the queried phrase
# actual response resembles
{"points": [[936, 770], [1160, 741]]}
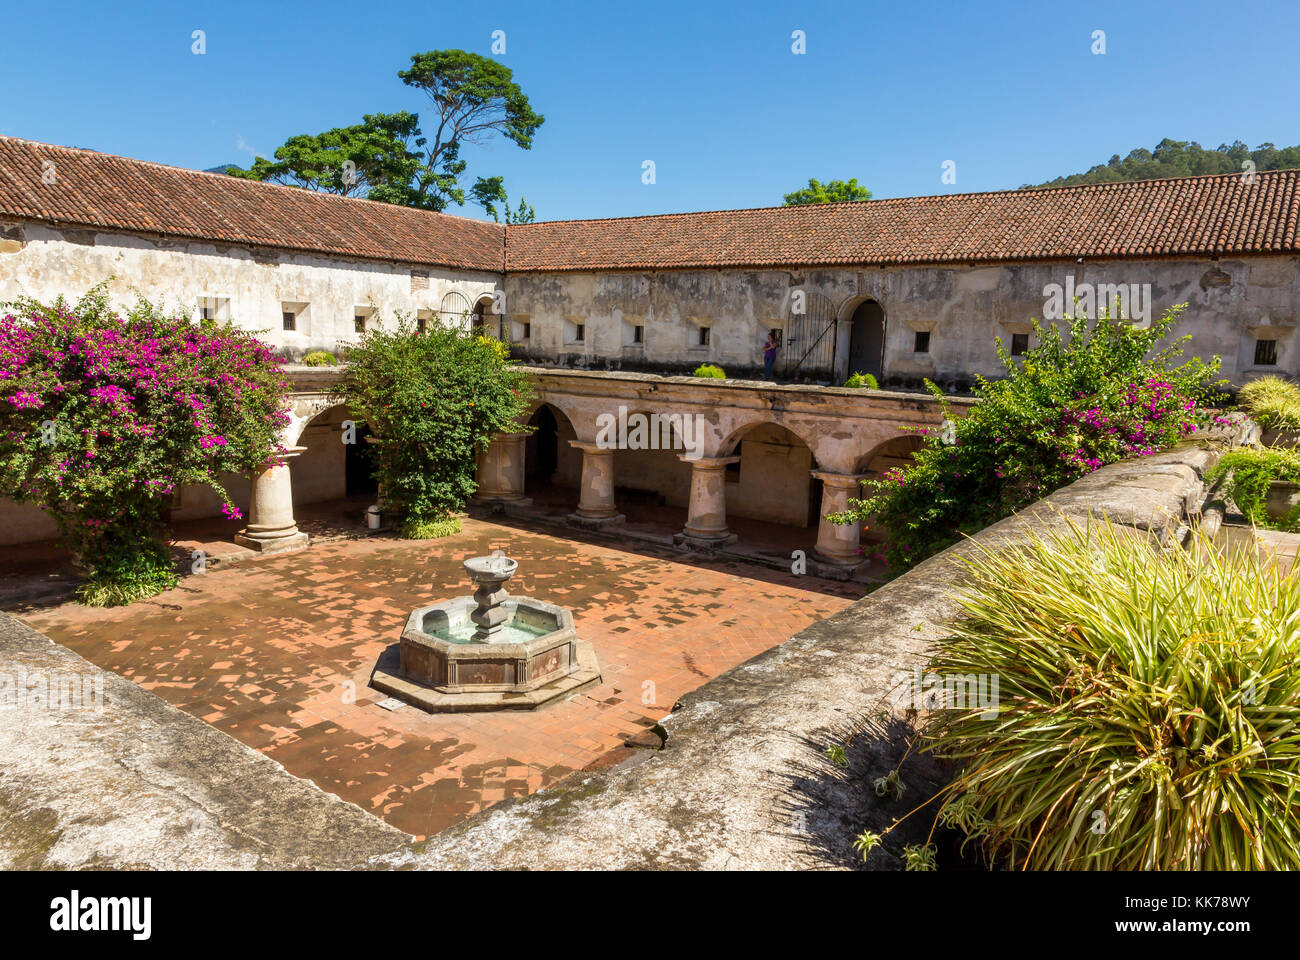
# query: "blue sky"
{"points": [[711, 92]]}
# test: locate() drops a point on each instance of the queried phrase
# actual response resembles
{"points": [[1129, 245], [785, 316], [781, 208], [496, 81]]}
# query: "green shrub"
{"points": [[709, 371], [413, 529], [862, 380], [1063, 409], [319, 358], [432, 401], [1247, 474], [1146, 709], [1272, 402]]}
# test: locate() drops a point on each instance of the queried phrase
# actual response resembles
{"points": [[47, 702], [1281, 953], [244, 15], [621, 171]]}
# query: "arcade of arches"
{"points": [[743, 461]]}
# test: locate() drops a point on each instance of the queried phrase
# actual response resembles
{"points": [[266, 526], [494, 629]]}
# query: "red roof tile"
{"points": [[1188, 216], [98, 190], [1152, 218]]}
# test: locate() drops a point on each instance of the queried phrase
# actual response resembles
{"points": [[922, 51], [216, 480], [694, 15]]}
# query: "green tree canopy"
{"points": [[475, 99], [372, 158], [387, 157], [834, 191], [1182, 158]]}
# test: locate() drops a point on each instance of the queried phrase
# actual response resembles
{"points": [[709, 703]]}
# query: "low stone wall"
{"points": [[741, 783]]}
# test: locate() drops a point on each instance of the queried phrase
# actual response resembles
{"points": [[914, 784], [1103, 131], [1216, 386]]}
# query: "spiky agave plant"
{"points": [[1148, 705]]}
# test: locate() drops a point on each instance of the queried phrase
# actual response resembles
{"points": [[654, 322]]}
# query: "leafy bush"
{"points": [[1248, 474], [104, 418], [862, 380], [432, 401], [1063, 411], [430, 529], [319, 358], [1272, 402], [1146, 710], [709, 371]]}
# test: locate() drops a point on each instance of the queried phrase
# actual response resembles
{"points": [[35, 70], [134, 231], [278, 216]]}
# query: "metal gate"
{"points": [[809, 346]]}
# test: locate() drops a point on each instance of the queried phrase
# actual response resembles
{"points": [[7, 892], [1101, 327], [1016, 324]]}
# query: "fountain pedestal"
{"points": [[489, 651]]}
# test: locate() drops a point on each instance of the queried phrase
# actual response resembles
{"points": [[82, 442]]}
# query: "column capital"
{"points": [[589, 446], [831, 478], [707, 463]]}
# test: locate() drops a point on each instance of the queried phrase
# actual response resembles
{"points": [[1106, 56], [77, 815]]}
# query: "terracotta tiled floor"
{"points": [[278, 652]]}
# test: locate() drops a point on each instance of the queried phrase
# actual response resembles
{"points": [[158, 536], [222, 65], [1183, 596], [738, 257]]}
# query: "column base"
{"points": [[294, 542], [691, 541], [835, 570], [595, 523]]}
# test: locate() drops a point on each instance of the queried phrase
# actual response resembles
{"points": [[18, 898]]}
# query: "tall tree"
{"points": [[834, 191], [373, 158], [475, 99]]}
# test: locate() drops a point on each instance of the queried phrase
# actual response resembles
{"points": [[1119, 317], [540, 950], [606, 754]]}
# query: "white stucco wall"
{"points": [[256, 289], [1231, 304]]}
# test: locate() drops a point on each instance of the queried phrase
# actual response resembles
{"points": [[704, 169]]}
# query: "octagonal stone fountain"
{"points": [[488, 651]]}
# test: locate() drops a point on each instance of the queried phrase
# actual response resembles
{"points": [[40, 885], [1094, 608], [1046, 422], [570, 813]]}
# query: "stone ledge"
{"points": [[145, 785]]}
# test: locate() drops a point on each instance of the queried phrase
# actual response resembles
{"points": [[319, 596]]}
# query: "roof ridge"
{"points": [[1077, 187]]}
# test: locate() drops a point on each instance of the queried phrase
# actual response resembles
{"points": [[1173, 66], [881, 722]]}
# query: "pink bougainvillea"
{"points": [[103, 416]]}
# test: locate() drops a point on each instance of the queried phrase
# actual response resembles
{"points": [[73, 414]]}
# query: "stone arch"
{"points": [[550, 460], [860, 338], [729, 443], [327, 468], [890, 453], [482, 320], [772, 481]]}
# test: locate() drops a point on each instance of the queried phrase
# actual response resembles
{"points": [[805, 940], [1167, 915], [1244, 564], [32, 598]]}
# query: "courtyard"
{"points": [[278, 652]]}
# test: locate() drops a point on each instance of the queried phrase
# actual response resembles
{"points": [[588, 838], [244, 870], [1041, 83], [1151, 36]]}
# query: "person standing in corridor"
{"points": [[769, 354]]}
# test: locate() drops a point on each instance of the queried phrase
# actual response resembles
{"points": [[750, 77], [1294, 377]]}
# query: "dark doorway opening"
{"points": [[867, 340], [359, 464], [541, 456]]}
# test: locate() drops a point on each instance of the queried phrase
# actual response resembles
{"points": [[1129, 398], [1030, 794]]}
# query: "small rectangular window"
{"points": [[528, 330], [1265, 353], [638, 334], [776, 334], [1019, 344], [359, 323], [704, 336], [288, 319], [922, 342], [579, 332]]}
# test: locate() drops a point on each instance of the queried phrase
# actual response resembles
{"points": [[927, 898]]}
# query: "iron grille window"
{"points": [[1265, 353], [359, 323], [288, 320]]}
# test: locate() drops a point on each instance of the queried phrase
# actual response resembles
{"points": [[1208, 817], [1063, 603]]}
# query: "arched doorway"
{"points": [[808, 349], [890, 455], [330, 469], [453, 309], [483, 322], [867, 340], [552, 465]]}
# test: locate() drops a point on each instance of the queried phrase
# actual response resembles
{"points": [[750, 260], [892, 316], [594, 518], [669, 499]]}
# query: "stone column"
{"points": [[838, 544], [500, 474], [271, 527], [706, 520], [596, 501]]}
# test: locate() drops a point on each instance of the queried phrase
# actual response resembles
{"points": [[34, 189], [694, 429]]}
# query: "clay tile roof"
{"points": [[98, 190], [1186, 216], [1153, 218]]}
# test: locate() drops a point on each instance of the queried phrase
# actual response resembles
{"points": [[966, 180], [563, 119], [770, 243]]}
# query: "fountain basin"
{"points": [[489, 651]]}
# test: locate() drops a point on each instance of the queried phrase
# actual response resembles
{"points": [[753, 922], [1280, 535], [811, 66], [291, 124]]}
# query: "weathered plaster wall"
{"points": [[257, 286], [1231, 303]]}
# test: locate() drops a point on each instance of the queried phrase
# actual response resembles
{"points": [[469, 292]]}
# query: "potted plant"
{"points": [[1273, 403]]}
